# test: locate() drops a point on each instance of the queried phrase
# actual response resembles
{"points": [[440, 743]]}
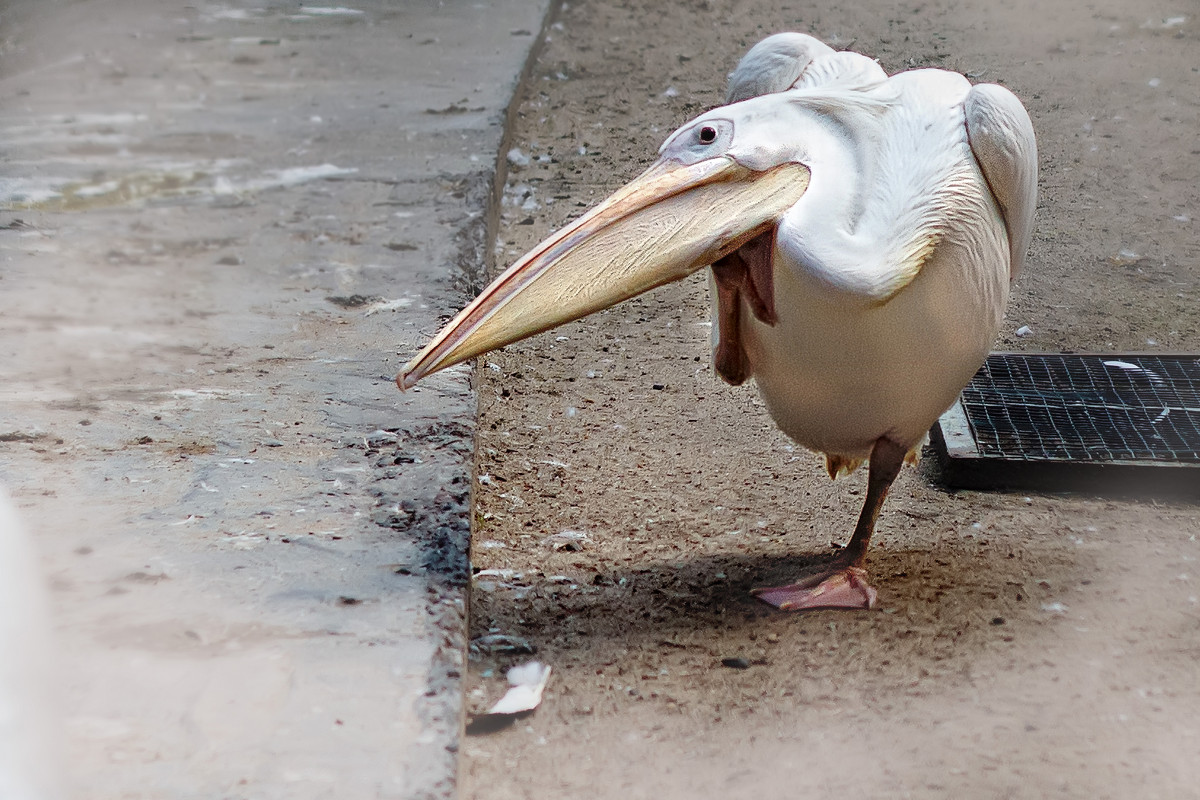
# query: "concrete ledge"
{"points": [[223, 229]]}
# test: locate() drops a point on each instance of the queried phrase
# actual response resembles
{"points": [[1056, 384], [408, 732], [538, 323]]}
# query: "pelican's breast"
{"points": [[839, 371]]}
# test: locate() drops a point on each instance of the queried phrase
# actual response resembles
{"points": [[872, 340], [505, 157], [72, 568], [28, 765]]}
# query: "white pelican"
{"points": [[862, 232]]}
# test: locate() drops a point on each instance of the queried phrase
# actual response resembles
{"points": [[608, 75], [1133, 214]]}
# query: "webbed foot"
{"points": [[844, 587]]}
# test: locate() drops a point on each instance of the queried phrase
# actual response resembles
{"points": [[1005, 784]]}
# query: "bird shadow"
{"points": [[950, 603]]}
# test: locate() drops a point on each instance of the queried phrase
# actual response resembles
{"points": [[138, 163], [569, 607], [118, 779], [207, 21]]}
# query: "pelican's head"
{"points": [[757, 135], [721, 180]]}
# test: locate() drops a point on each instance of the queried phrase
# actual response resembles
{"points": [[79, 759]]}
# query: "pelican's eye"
{"points": [[695, 142]]}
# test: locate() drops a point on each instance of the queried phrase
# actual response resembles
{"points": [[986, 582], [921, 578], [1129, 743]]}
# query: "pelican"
{"points": [[862, 233]]}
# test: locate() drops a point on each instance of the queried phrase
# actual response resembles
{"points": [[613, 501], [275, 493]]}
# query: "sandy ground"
{"points": [[1024, 645]]}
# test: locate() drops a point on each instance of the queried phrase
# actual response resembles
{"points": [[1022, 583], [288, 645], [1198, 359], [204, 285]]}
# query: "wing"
{"points": [[1002, 140]]}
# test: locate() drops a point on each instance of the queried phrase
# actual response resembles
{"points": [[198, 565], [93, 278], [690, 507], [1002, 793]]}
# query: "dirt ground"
{"points": [[1024, 645]]}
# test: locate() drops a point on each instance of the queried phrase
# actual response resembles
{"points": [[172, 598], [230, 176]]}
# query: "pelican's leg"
{"points": [[844, 584]]}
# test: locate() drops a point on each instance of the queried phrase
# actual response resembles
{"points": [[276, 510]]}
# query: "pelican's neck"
{"points": [[883, 177]]}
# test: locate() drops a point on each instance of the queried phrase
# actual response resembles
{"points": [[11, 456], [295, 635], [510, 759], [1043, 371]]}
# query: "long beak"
{"points": [[667, 223]]}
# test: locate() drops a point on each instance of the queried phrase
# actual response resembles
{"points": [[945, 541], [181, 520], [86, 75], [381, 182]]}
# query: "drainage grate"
{"points": [[1074, 410]]}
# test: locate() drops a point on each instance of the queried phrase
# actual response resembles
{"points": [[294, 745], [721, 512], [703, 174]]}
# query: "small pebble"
{"points": [[501, 644], [735, 663], [567, 540]]}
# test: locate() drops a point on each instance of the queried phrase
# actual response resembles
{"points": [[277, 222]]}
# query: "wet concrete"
{"points": [[224, 227]]}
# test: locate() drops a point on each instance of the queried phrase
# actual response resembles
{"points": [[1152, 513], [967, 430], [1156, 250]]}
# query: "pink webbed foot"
{"points": [[840, 588]]}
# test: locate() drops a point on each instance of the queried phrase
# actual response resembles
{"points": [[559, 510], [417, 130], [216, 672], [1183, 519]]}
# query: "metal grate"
{"points": [[1085, 408]]}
